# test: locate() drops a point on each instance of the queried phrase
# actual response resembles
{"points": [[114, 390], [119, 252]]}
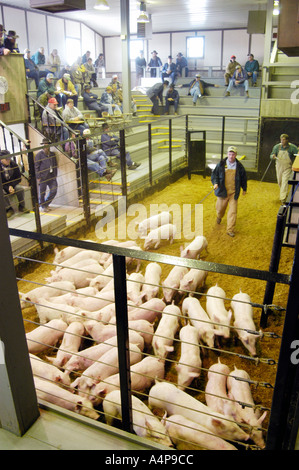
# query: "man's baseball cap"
{"points": [[67, 76], [232, 149], [26, 51], [233, 57], [2, 29], [49, 76], [86, 132], [53, 101], [197, 75]]}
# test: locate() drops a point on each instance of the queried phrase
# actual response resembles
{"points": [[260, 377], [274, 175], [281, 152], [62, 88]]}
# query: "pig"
{"points": [[100, 281], [130, 261], [192, 281], [85, 358], [84, 258], [101, 369], [80, 277], [108, 259], [145, 424], [104, 315], [51, 310], [217, 311], [57, 395], [45, 336], [152, 275], [199, 318], [149, 310], [154, 222], [143, 375], [65, 253], [216, 394], [244, 324], [96, 302], [189, 365], [70, 344], [100, 332], [43, 370], [166, 330], [171, 399], [134, 285], [171, 284], [194, 249], [154, 237], [239, 389], [187, 434], [46, 292]]}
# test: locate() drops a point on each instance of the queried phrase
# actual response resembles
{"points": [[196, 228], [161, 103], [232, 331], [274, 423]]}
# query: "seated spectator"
{"points": [[198, 88], [66, 90], [239, 80], [39, 57], [65, 69], [108, 101], [53, 122], [117, 95], [47, 85], [110, 145], [54, 61], [3, 50], [181, 65], [73, 117], [252, 68], [85, 57], [11, 179], [97, 159], [115, 82], [10, 42], [91, 101], [90, 70], [30, 68], [79, 78], [169, 71], [100, 65], [230, 69], [172, 98]]}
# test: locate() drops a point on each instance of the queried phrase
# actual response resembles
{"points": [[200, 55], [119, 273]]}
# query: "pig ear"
{"points": [[56, 250], [261, 419], [169, 348], [217, 423]]}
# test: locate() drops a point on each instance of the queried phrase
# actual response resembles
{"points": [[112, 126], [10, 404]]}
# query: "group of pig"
{"points": [[77, 306]]}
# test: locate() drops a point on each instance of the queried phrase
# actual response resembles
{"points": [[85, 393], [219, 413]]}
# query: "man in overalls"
{"points": [[284, 155], [228, 177]]}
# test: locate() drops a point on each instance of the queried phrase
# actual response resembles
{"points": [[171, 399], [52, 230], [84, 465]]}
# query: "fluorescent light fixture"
{"points": [[143, 17], [276, 10], [101, 5]]}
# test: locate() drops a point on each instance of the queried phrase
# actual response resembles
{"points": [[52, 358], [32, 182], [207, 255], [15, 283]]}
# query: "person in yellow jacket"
{"points": [[66, 90]]}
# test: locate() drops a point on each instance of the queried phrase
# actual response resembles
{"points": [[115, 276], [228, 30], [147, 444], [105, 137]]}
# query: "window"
{"points": [[73, 50], [136, 45], [195, 47]]}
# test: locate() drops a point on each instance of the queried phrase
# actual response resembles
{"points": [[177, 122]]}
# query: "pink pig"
{"points": [[151, 286], [45, 336], [243, 313], [192, 281], [164, 335], [70, 344], [172, 282], [194, 248], [165, 232], [189, 365], [199, 318]]}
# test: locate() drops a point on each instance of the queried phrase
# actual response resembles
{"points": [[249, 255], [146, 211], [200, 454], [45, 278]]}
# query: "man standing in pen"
{"points": [[284, 155]]}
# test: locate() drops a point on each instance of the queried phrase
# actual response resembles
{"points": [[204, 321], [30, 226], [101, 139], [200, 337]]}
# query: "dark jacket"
{"points": [[218, 177], [13, 176], [44, 164], [156, 91], [205, 85]]}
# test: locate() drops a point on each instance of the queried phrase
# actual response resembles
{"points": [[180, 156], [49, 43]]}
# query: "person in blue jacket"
{"points": [[169, 70], [239, 80], [154, 64], [252, 68], [228, 177]]}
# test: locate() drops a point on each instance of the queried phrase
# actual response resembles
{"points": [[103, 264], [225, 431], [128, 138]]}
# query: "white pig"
{"points": [[65, 253], [164, 335], [216, 391], [46, 292], [81, 258], [45, 336], [85, 358], [44, 370], [96, 302], [101, 369], [193, 250], [70, 344], [170, 398], [172, 282], [183, 432], [217, 311], [149, 310], [154, 222], [243, 313], [100, 281], [80, 277], [143, 376], [239, 390], [47, 311], [101, 332], [165, 232], [57, 395], [145, 424], [134, 285], [152, 275], [189, 365], [199, 318], [192, 281]]}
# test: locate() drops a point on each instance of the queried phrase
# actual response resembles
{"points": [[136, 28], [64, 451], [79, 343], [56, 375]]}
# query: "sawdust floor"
{"points": [[251, 248]]}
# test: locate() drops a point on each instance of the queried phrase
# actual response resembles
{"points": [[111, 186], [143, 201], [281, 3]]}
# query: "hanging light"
{"points": [[276, 8], [101, 5], [143, 17]]}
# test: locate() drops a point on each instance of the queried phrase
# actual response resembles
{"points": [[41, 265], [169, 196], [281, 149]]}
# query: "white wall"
{"points": [[113, 54], [37, 31], [15, 20]]}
